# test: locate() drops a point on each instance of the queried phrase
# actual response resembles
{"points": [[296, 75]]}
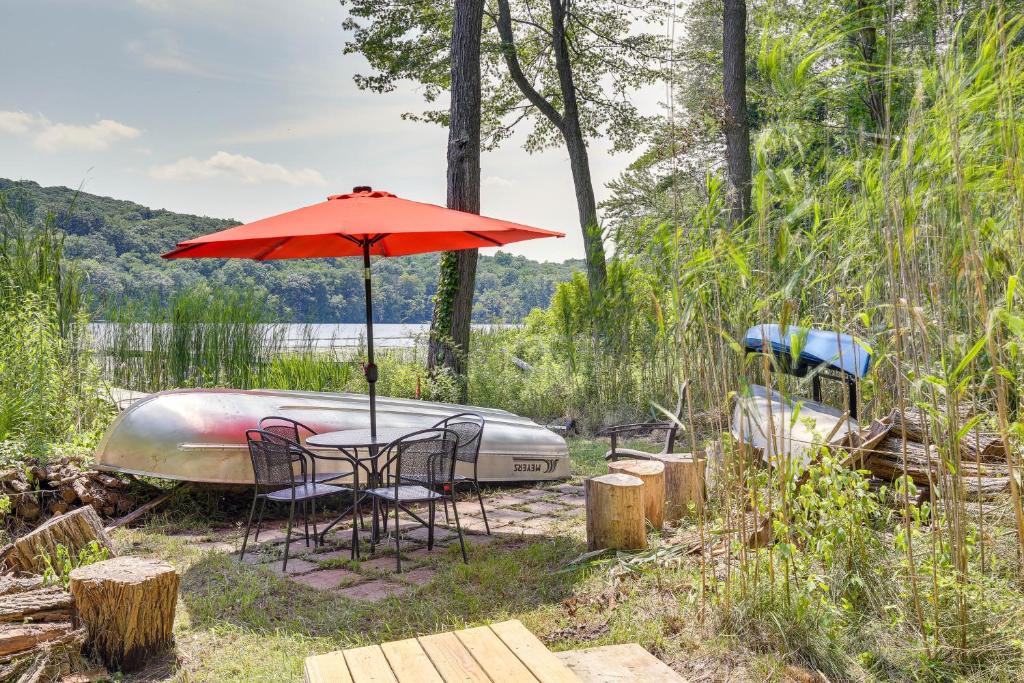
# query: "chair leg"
{"points": [[480, 497], [398, 543], [458, 527], [430, 526], [259, 520], [305, 520], [288, 535], [316, 536], [252, 510]]}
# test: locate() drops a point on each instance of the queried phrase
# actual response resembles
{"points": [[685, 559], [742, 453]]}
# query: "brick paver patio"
{"points": [[511, 513]]}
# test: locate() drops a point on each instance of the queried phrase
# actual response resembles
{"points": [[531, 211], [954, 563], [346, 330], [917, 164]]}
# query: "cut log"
{"points": [[17, 638], [652, 474], [684, 485], [50, 661], [9, 585], [41, 604], [127, 605], [615, 512], [74, 531]]}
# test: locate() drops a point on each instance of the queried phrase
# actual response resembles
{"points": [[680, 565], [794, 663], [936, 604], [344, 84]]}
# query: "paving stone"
{"points": [[419, 577], [328, 578], [373, 591], [502, 517], [504, 502], [532, 494], [572, 500], [475, 524], [441, 534], [215, 546], [252, 557], [384, 563], [339, 554], [570, 489], [468, 508], [295, 566], [543, 508], [477, 539], [422, 554]]}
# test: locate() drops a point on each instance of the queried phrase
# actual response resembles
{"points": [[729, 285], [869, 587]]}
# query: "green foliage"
{"points": [[57, 570], [116, 246], [49, 384], [612, 49]]}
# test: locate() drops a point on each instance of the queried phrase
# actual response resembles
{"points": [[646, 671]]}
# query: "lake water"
{"points": [[332, 335]]}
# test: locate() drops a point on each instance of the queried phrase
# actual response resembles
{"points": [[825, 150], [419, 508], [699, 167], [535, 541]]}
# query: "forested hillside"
{"points": [[118, 245]]}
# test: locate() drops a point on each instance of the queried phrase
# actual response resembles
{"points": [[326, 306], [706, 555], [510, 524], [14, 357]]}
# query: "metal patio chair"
{"points": [[426, 456], [670, 427], [470, 429], [293, 430], [274, 459]]}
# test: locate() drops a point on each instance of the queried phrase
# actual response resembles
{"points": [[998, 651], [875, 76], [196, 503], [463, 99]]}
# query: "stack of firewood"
{"points": [[40, 637], [60, 486], [899, 443]]}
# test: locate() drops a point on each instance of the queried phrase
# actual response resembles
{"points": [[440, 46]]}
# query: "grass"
{"points": [[238, 622]]}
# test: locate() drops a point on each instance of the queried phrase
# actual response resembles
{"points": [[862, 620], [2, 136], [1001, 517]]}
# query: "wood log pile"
{"points": [[40, 637], [899, 442], [60, 486]]}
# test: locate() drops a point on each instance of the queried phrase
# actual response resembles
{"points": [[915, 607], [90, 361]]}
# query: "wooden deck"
{"points": [[505, 652]]}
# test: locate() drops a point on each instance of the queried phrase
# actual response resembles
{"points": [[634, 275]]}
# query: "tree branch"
{"points": [[515, 70]]}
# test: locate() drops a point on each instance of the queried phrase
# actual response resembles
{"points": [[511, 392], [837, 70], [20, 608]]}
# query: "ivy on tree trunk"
{"points": [[453, 305]]}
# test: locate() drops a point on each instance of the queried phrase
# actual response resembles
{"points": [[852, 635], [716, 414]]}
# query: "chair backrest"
{"points": [[470, 429], [428, 454], [273, 459], [286, 427]]}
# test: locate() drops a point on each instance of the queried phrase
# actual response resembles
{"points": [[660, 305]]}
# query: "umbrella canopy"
{"points": [[340, 225], [362, 223]]}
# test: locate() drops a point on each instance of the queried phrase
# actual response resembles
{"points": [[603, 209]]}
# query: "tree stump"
{"points": [[74, 531], [684, 484], [127, 605], [652, 474], [615, 512]]}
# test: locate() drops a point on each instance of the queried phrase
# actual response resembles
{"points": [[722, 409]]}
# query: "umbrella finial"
{"points": [[362, 188]]}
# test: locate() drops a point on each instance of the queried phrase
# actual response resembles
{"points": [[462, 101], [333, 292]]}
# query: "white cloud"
{"points": [[53, 137], [16, 122], [161, 50], [98, 136], [497, 181], [246, 169]]}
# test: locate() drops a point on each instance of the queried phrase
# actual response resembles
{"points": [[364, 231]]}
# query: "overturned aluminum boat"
{"points": [[780, 427], [199, 434]]}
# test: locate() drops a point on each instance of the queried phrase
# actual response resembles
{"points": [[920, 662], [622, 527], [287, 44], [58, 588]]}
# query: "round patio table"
{"points": [[348, 442]]}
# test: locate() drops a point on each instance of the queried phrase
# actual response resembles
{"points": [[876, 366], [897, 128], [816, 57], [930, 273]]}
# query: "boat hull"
{"points": [[199, 434], [764, 420]]}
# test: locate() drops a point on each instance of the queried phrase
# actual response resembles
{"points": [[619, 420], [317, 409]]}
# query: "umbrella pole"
{"points": [[371, 367]]}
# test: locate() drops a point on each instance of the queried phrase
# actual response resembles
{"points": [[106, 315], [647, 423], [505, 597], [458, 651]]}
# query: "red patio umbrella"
{"points": [[364, 222]]}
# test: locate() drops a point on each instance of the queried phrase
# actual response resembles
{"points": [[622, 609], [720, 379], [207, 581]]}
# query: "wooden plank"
{"points": [[369, 665], [498, 661], [329, 668], [409, 662], [618, 664], [452, 660], [533, 653]]}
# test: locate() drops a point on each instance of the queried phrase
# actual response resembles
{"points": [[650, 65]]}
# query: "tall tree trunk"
{"points": [[734, 89], [576, 146], [567, 122], [866, 41], [453, 305]]}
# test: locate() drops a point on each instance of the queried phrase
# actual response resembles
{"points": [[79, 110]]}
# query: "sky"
{"points": [[240, 110]]}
